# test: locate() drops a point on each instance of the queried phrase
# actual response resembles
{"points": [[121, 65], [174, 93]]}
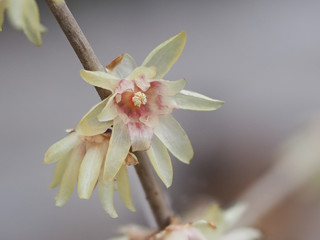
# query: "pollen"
{"points": [[139, 98]]}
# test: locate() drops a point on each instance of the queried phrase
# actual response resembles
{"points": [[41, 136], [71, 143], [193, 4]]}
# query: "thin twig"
{"points": [[154, 193]]}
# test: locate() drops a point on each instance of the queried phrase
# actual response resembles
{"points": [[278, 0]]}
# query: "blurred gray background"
{"points": [[261, 57]]}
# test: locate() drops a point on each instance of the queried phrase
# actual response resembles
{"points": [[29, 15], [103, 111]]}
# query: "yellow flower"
{"points": [[140, 108], [215, 224], [82, 158], [23, 15]]}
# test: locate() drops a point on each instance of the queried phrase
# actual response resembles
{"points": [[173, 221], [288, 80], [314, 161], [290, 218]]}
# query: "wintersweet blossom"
{"points": [[140, 107], [23, 15], [215, 224], [81, 158]]}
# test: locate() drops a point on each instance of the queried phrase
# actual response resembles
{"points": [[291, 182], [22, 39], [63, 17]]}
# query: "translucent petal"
{"points": [[100, 79], [140, 136], [161, 161], [90, 168], [174, 138], [173, 87], [109, 112], [194, 101], [166, 54], [70, 175], [106, 196], [243, 234], [122, 66], [89, 125], [124, 188], [147, 72], [61, 149], [119, 146], [59, 171], [24, 15]]}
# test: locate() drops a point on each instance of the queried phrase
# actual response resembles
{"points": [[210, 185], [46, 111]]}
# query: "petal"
{"points": [[124, 188], [174, 138], [100, 79], [243, 234], [109, 112], [147, 72], [59, 171], [195, 101], [2, 8], [208, 229], [122, 66], [61, 149], [166, 54], [24, 15], [233, 214], [140, 136], [161, 161], [70, 176], [89, 125], [173, 87], [90, 168], [142, 83], [119, 146], [105, 189]]}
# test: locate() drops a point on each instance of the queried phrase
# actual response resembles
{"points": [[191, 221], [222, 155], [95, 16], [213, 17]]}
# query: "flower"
{"points": [[81, 157], [23, 15], [140, 107], [215, 224]]}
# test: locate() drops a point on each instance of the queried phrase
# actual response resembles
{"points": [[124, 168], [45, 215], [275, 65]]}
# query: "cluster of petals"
{"points": [[215, 224], [139, 109], [81, 158], [23, 15]]}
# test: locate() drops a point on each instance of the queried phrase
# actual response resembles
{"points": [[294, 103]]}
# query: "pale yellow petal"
{"points": [[194, 101], [89, 125], [59, 171], [24, 15], [2, 8], [105, 189], [90, 168], [166, 54], [208, 229], [100, 79], [161, 161], [233, 214], [122, 66], [174, 87], [147, 72], [124, 188], [244, 233], [119, 146], [109, 112], [174, 138], [61, 149], [70, 175]]}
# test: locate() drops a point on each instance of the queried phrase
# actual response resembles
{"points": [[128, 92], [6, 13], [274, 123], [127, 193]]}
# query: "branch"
{"points": [[155, 196]]}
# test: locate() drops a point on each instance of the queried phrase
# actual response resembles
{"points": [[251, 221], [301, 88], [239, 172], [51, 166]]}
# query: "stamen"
{"points": [[139, 98]]}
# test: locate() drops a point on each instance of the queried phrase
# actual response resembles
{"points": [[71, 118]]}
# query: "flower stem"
{"points": [[154, 193]]}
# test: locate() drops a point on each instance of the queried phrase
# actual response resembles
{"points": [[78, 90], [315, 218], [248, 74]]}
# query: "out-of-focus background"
{"points": [[261, 57]]}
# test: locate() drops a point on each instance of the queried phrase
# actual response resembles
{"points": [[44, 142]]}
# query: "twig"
{"points": [[156, 197]]}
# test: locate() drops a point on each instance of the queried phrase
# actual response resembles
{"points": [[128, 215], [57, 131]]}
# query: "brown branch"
{"points": [[155, 196]]}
